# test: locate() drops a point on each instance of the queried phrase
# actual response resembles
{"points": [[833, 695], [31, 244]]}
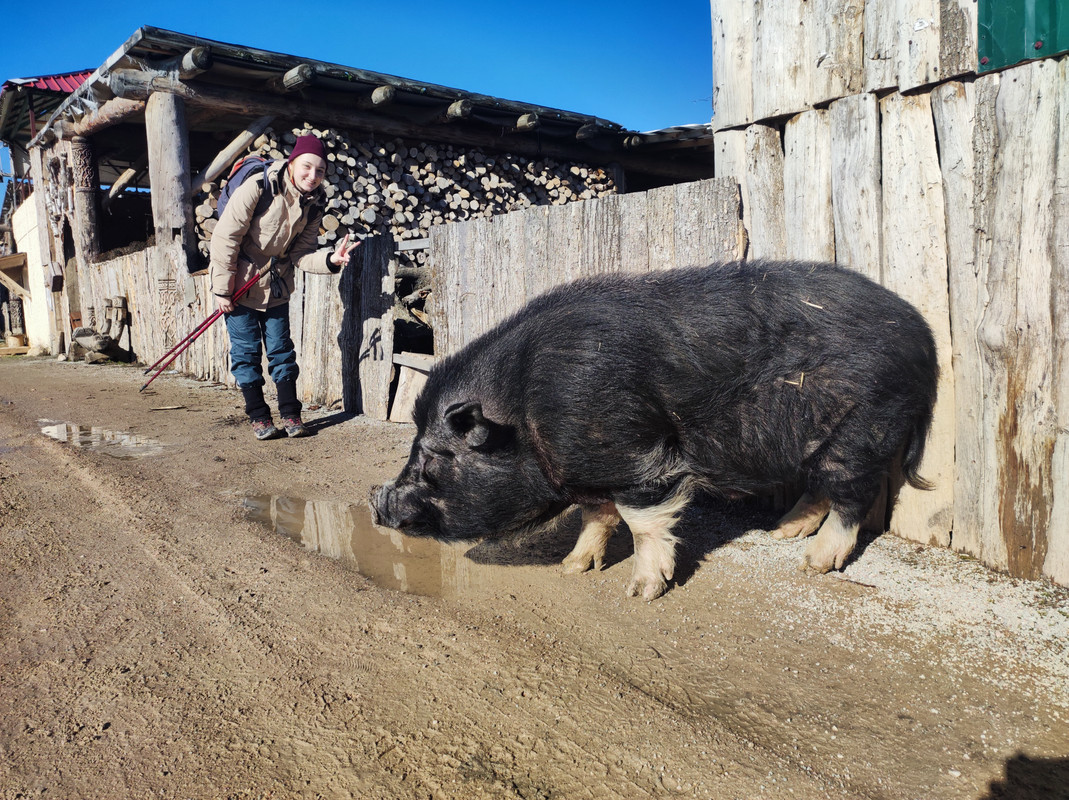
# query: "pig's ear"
{"points": [[466, 420]]}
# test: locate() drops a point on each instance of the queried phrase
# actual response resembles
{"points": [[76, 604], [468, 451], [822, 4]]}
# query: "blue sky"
{"points": [[643, 65]]}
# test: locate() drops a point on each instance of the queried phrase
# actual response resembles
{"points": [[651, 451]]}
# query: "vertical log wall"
{"points": [[483, 270], [949, 188]]}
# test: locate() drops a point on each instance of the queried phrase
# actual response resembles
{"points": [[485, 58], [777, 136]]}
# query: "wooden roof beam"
{"points": [[300, 77], [134, 84], [190, 64], [381, 96]]}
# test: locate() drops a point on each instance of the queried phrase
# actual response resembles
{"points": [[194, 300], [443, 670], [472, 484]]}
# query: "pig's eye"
{"points": [[431, 465]]}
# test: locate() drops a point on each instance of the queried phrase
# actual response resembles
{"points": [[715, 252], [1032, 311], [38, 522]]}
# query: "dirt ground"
{"points": [[188, 613]]}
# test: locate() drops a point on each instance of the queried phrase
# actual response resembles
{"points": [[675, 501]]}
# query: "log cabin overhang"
{"points": [[224, 85]]}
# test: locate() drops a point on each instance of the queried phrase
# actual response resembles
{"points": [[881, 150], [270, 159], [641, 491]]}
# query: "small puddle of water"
{"points": [[345, 532], [113, 443]]}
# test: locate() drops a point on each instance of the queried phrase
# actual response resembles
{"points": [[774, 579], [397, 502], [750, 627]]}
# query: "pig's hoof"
{"points": [[649, 588], [822, 560], [575, 565]]}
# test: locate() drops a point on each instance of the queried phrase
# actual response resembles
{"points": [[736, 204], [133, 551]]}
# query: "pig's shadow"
{"points": [[708, 523]]}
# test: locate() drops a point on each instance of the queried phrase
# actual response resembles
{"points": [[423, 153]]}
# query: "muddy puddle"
{"points": [[345, 532], [117, 444]]}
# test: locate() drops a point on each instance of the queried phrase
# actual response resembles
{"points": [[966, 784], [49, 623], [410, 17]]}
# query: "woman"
{"points": [[245, 241]]}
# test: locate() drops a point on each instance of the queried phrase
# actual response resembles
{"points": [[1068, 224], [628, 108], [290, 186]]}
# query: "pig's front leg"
{"points": [[832, 545], [655, 546], [599, 524]]}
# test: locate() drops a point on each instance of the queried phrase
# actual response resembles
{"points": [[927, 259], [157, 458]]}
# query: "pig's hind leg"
{"points": [[804, 518], [599, 524], [655, 546]]}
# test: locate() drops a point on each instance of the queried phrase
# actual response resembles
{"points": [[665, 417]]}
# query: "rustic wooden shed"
{"points": [[126, 167]]}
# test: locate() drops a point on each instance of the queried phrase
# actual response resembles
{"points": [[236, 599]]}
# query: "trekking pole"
{"points": [[192, 336], [205, 324]]}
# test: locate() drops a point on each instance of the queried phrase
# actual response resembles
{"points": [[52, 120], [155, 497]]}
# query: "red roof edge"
{"points": [[65, 82]]}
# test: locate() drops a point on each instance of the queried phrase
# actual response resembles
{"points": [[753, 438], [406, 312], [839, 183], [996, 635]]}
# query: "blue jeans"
{"points": [[249, 330]]}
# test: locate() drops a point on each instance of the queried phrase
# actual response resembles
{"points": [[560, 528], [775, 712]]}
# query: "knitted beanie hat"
{"points": [[309, 143]]}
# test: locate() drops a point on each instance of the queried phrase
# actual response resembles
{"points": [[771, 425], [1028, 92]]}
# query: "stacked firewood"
{"points": [[404, 188]]}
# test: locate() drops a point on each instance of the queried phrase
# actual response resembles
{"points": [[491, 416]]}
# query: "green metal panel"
{"points": [[1011, 31]]}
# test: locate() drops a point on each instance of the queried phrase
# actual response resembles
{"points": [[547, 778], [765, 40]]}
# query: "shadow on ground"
{"points": [[1031, 779]]}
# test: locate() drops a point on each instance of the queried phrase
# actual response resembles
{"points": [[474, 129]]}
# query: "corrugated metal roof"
{"points": [[65, 82], [43, 94]]}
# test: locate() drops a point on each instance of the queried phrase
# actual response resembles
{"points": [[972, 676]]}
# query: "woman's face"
{"points": [[307, 172]]}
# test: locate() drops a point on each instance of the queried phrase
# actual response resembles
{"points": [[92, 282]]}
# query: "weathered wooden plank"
{"points": [[856, 180], [733, 42], [1056, 563], [634, 234], [1022, 232], [917, 57], [834, 50], [729, 161], [807, 199], [957, 38], [511, 228], [915, 266], [954, 111], [764, 176], [781, 72], [367, 340], [990, 319], [881, 44], [442, 255], [729, 238], [565, 241], [708, 222], [661, 227], [601, 235], [691, 202], [538, 276]]}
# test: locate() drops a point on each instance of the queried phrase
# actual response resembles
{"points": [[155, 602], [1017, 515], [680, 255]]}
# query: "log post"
{"points": [[226, 156], [112, 112], [124, 180], [168, 168], [86, 186]]}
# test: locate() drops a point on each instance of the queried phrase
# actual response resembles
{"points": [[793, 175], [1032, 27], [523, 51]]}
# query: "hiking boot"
{"points": [[265, 429], [294, 427]]}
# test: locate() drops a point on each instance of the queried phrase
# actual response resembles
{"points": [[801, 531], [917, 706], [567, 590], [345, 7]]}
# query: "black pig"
{"points": [[626, 393]]}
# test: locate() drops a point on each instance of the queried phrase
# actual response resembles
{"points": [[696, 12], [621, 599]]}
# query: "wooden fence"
{"points": [[955, 198], [483, 270], [342, 325]]}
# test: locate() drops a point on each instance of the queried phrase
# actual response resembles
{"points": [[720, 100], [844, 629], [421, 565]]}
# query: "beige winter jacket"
{"points": [[243, 243]]}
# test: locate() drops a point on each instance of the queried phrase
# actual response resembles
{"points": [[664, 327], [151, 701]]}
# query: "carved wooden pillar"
{"points": [[86, 189], [168, 169]]}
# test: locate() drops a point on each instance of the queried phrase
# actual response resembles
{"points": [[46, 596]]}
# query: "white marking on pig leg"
{"points": [[832, 545], [599, 524], [655, 546], [803, 519]]}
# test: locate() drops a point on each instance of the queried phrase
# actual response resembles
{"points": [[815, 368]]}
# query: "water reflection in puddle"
{"points": [[346, 533], [117, 444]]}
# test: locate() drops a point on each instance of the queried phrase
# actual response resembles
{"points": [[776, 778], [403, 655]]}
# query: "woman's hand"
{"points": [[224, 304], [340, 256]]}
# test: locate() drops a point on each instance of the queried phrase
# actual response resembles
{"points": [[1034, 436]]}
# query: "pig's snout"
{"points": [[374, 503], [391, 507]]}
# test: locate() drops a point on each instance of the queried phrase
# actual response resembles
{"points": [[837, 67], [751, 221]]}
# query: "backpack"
{"points": [[242, 170]]}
